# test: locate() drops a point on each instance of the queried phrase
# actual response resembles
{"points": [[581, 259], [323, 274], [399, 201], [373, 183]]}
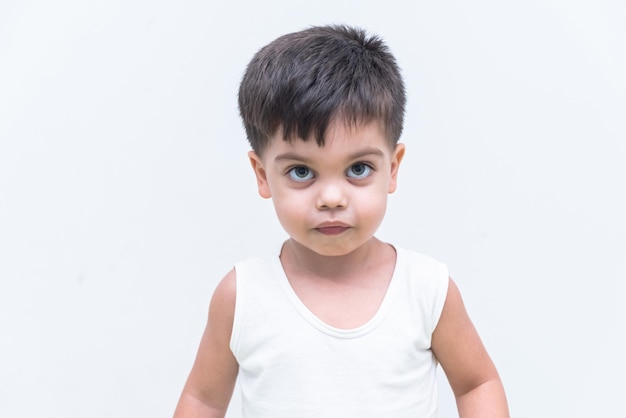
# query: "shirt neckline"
{"points": [[322, 326]]}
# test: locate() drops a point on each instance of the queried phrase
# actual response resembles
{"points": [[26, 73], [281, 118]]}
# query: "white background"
{"points": [[125, 192]]}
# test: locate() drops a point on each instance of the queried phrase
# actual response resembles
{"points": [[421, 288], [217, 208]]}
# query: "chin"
{"points": [[332, 246], [333, 253], [336, 250]]}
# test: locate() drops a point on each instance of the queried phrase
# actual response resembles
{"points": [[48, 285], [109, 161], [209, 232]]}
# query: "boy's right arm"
{"points": [[212, 378]]}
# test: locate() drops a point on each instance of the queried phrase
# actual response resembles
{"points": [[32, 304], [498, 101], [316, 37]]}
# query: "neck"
{"points": [[306, 262]]}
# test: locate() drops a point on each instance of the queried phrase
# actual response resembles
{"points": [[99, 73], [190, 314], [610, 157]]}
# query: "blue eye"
{"points": [[300, 173], [359, 171]]}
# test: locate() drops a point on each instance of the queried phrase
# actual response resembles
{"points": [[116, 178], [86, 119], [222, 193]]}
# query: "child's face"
{"points": [[330, 199]]}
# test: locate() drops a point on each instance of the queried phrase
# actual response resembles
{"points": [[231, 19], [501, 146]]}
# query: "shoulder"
{"points": [[423, 281], [254, 275], [227, 286], [427, 274], [222, 306], [245, 282], [423, 262]]}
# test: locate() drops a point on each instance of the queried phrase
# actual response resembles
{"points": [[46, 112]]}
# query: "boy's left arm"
{"points": [[469, 369]]}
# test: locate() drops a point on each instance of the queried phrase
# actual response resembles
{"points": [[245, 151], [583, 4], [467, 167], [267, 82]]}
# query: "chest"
{"points": [[378, 363], [342, 304]]}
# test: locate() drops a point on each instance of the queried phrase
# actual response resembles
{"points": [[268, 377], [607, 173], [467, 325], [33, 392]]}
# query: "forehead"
{"points": [[342, 139]]}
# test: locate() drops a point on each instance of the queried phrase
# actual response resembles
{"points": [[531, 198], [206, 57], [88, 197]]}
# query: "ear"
{"points": [[396, 159], [261, 175]]}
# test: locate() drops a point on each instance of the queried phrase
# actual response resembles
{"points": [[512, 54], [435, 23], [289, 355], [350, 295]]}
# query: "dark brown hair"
{"points": [[302, 80]]}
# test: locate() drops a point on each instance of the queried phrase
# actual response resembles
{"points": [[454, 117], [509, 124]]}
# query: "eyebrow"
{"points": [[359, 154]]}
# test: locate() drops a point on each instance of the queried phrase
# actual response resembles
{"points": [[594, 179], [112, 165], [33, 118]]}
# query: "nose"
{"points": [[331, 196]]}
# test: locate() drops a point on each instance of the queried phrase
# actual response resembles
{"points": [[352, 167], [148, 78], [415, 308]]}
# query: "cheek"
{"points": [[378, 208], [290, 207], [372, 205]]}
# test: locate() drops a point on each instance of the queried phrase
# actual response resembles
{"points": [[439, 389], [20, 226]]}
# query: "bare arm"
{"points": [[470, 371], [212, 378]]}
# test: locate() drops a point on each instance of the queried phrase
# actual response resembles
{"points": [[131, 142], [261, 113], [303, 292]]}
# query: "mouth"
{"points": [[331, 228]]}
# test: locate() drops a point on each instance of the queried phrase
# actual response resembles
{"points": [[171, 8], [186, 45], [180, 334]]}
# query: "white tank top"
{"points": [[293, 365]]}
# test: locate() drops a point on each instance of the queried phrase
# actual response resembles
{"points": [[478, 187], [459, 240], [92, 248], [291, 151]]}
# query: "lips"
{"points": [[332, 228]]}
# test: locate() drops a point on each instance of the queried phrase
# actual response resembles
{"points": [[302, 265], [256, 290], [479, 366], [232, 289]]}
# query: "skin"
{"points": [[330, 200]]}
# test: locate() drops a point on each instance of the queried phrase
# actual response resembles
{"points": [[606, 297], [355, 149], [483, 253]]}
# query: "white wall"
{"points": [[125, 193]]}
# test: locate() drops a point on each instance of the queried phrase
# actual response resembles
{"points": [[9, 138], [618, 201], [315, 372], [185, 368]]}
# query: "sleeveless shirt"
{"points": [[293, 365]]}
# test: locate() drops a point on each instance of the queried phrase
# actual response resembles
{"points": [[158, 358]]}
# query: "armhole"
{"points": [[441, 294], [236, 330], [430, 290]]}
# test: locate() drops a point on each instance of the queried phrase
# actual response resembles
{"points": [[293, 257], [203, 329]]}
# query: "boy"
{"points": [[339, 324]]}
